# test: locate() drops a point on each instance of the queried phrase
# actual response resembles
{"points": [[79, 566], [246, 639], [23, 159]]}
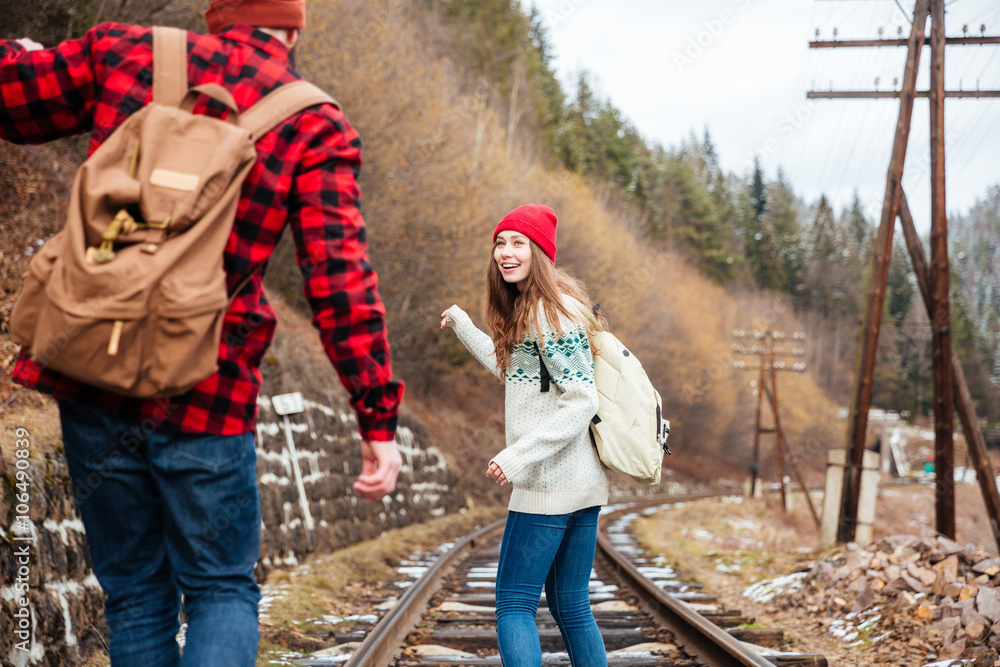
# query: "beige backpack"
{"points": [[130, 295], [628, 430]]}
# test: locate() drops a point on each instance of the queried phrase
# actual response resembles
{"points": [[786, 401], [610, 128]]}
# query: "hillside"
{"points": [[462, 119], [444, 160]]}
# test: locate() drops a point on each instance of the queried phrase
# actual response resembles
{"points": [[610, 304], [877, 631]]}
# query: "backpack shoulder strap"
{"points": [[170, 82], [281, 103]]}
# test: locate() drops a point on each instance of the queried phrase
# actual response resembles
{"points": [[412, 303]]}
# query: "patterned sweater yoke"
{"points": [[549, 458]]}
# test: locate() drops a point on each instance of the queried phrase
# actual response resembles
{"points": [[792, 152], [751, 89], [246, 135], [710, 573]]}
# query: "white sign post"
{"points": [[291, 404]]}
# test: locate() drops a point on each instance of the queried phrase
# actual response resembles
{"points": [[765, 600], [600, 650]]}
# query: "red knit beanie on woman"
{"points": [[535, 221], [258, 13]]}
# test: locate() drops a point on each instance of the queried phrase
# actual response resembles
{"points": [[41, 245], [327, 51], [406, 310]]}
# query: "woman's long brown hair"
{"points": [[509, 311]]}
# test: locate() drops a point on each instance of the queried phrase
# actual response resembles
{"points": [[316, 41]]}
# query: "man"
{"points": [[152, 478]]}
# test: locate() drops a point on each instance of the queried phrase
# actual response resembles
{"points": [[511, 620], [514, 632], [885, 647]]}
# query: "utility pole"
{"points": [[769, 367], [963, 399], [949, 384], [944, 412]]}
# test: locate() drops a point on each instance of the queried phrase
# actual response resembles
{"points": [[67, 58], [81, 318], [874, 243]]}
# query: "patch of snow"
{"points": [[767, 589]]}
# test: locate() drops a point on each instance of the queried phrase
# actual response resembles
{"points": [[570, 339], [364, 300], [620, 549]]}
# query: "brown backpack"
{"points": [[130, 295]]}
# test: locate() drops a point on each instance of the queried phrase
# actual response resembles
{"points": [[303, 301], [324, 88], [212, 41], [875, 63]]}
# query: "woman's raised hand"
{"points": [[444, 319]]}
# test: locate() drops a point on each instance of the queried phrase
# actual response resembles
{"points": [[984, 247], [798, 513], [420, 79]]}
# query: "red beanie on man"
{"points": [[535, 221], [258, 13]]}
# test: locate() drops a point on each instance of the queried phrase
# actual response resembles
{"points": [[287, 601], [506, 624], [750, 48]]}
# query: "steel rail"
{"points": [[699, 637], [385, 641]]}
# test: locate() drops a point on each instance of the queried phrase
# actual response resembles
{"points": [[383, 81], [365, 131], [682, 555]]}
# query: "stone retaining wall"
{"points": [[65, 601]]}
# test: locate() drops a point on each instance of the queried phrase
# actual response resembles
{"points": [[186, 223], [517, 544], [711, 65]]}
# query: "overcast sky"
{"points": [[741, 68]]}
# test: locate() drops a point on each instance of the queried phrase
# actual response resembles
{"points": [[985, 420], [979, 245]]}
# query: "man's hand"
{"points": [[495, 472], [380, 467], [30, 44]]}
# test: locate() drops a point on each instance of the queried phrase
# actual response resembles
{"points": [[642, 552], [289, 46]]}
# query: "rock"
{"points": [[980, 581], [970, 554], [936, 555], [905, 582], [953, 650], [968, 592], [433, 650], [903, 602], [948, 546], [925, 545], [904, 554], [859, 560], [941, 580], [952, 590], [878, 585], [988, 567], [892, 572], [858, 584], [864, 599], [970, 616], [975, 632], [928, 577], [956, 608], [988, 603], [822, 569], [347, 648], [945, 629], [927, 613], [949, 566], [982, 554]]}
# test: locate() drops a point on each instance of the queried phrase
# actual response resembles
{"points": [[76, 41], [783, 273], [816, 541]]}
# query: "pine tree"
{"points": [[824, 285], [787, 252], [757, 237]]}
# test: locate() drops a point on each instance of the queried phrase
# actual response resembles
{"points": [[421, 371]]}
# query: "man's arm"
{"points": [[47, 93], [342, 288]]}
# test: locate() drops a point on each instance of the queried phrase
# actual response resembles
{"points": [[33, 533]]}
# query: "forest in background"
{"points": [[754, 231], [463, 118]]}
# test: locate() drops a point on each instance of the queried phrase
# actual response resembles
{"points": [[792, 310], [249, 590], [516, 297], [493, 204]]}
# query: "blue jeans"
{"points": [[167, 515], [556, 552]]}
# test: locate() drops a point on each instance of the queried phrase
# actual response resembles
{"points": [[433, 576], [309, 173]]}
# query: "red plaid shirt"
{"points": [[305, 175]]}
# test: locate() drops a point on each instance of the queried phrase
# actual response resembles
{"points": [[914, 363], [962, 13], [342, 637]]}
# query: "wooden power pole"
{"points": [[769, 368], [944, 413], [949, 383]]}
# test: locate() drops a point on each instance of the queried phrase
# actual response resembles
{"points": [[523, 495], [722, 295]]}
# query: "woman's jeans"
{"points": [[167, 515], [557, 552]]}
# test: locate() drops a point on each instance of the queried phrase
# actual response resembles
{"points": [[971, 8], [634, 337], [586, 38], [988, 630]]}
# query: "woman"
{"points": [[540, 350]]}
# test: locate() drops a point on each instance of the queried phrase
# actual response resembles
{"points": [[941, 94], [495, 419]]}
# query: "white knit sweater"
{"points": [[549, 459]]}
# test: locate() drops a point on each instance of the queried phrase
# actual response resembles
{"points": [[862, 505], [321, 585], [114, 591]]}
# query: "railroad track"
{"points": [[645, 612]]}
